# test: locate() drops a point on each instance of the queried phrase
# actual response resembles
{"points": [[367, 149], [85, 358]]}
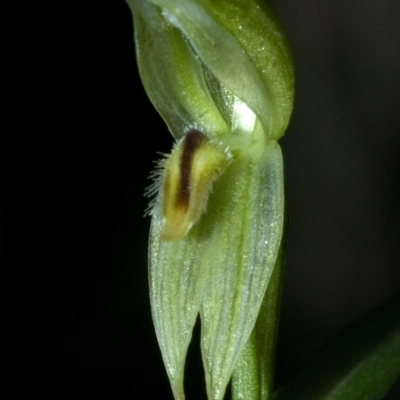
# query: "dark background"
{"points": [[73, 239]]}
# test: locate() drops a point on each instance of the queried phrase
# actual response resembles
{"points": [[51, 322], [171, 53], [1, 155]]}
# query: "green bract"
{"points": [[220, 70]]}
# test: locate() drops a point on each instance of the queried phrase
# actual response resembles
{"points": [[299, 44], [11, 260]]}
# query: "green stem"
{"points": [[253, 375]]}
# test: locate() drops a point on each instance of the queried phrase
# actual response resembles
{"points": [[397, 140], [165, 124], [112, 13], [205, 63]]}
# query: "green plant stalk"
{"points": [[252, 378]]}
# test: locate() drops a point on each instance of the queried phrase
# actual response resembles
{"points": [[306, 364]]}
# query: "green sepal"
{"points": [[172, 74], [220, 268], [252, 377], [238, 41]]}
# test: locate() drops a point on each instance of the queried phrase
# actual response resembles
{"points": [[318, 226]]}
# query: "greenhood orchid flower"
{"points": [[220, 74]]}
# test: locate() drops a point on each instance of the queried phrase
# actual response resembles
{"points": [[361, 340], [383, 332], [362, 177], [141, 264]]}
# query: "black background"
{"points": [[77, 144]]}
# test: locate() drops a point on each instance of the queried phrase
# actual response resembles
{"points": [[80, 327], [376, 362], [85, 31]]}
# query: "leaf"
{"points": [[360, 364]]}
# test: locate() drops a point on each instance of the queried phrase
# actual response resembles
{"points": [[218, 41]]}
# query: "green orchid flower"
{"points": [[220, 74]]}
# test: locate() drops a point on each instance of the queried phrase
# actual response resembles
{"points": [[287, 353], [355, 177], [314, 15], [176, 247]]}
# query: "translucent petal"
{"points": [[177, 280], [172, 74], [221, 266], [246, 246], [241, 43]]}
